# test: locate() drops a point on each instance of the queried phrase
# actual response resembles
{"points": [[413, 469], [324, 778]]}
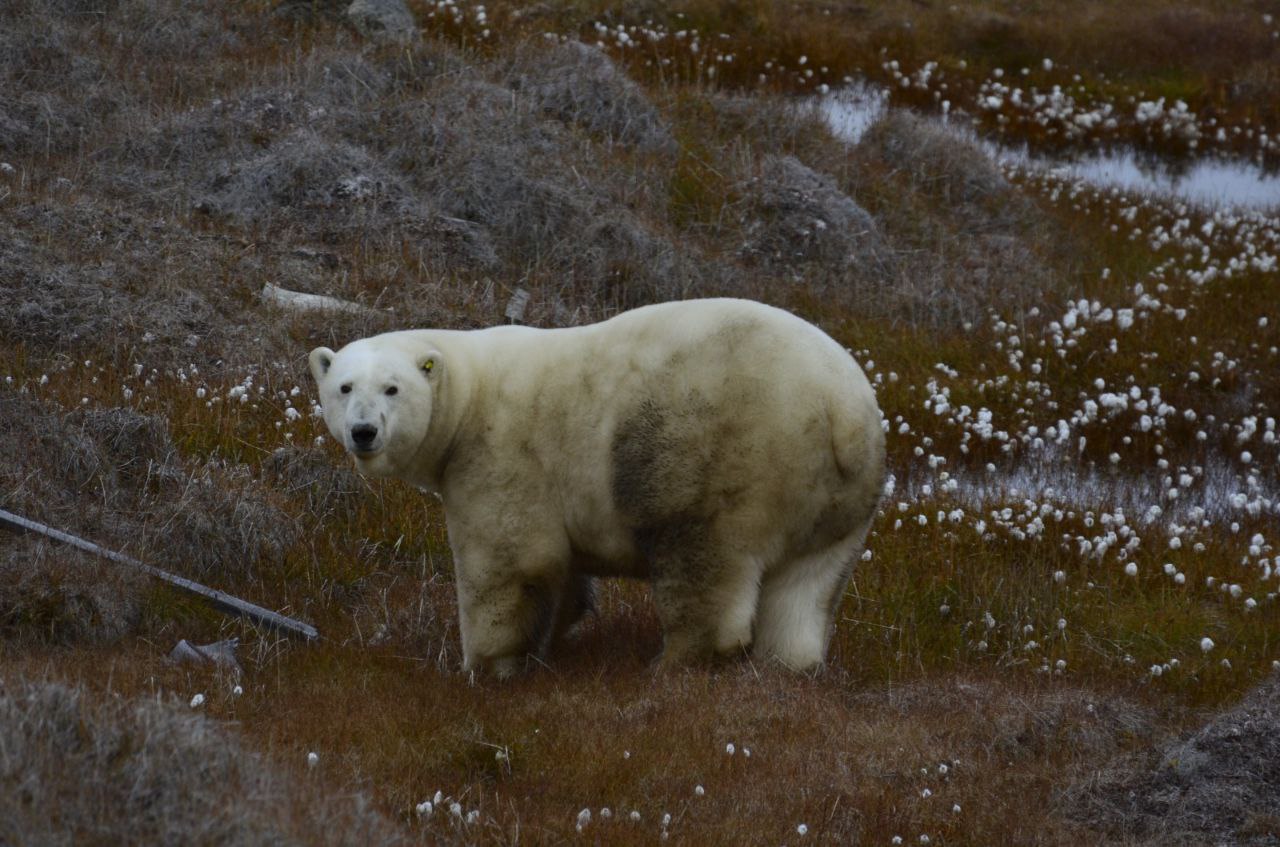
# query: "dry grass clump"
{"points": [[115, 475], [966, 239], [936, 162], [50, 593], [78, 277], [52, 89], [559, 210], [1220, 782], [578, 83], [311, 474], [73, 771], [307, 176], [795, 214]]}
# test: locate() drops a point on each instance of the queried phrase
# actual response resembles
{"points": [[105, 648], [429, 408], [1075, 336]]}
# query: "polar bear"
{"points": [[727, 451]]}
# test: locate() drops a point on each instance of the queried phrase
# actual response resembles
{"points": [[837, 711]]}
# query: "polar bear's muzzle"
{"points": [[364, 439]]}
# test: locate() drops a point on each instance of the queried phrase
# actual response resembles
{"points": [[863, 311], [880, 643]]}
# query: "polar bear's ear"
{"points": [[430, 364], [320, 360]]}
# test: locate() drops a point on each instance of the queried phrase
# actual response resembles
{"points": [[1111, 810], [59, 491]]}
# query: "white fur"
{"points": [[728, 451]]}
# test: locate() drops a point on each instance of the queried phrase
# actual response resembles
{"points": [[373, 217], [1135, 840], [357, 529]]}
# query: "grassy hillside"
{"points": [[1075, 565]]}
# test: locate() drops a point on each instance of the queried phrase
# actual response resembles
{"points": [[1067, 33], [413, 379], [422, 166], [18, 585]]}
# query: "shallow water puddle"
{"points": [[1208, 182], [1222, 494]]}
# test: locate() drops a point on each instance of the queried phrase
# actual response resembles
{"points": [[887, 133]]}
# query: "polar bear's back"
{"points": [[732, 408]]}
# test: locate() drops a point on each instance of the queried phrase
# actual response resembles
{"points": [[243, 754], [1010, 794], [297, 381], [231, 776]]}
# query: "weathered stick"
{"points": [[302, 302], [218, 599]]}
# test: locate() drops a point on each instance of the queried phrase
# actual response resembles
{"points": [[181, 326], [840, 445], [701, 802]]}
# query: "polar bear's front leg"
{"points": [[506, 613]]}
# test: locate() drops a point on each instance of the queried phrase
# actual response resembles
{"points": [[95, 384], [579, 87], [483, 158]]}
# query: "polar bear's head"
{"points": [[377, 397]]}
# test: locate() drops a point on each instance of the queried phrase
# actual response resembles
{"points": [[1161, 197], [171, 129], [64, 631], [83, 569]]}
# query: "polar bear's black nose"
{"points": [[363, 434]]}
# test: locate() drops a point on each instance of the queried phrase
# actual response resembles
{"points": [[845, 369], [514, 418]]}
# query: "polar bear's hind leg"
{"points": [[798, 601], [706, 598]]}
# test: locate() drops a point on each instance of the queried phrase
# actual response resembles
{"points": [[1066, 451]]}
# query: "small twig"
{"points": [[869, 623]]}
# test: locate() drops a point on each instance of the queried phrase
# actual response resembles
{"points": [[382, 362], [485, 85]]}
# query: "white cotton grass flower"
{"points": [[634, 816], [802, 830], [1206, 644], [313, 759], [197, 701], [699, 790], [237, 691], [1131, 569], [730, 749], [424, 809]]}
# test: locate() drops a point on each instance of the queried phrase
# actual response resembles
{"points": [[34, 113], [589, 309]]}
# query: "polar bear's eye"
{"points": [[346, 389], [391, 392]]}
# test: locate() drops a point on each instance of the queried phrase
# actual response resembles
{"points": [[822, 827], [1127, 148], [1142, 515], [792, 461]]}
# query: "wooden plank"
{"points": [[218, 599]]}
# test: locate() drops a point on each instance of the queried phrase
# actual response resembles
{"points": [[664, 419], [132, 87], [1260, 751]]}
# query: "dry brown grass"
{"points": [[601, 731]]}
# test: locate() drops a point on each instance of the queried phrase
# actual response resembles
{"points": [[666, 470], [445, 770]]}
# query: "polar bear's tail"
{"points": [[858, 444]]}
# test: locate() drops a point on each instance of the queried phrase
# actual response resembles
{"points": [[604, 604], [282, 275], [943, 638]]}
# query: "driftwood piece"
{"points": [[302, 302], [218, 599]]}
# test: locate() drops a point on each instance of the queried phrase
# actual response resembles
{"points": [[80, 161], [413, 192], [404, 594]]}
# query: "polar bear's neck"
{"points": [[451, 406]]}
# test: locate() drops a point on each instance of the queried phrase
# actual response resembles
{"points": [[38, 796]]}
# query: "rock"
{"points": [[383, 20], [516, 305], [218, 653]]}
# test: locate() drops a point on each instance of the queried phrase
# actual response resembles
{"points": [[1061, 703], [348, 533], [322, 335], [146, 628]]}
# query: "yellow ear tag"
{"points": [[428, 365]]}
